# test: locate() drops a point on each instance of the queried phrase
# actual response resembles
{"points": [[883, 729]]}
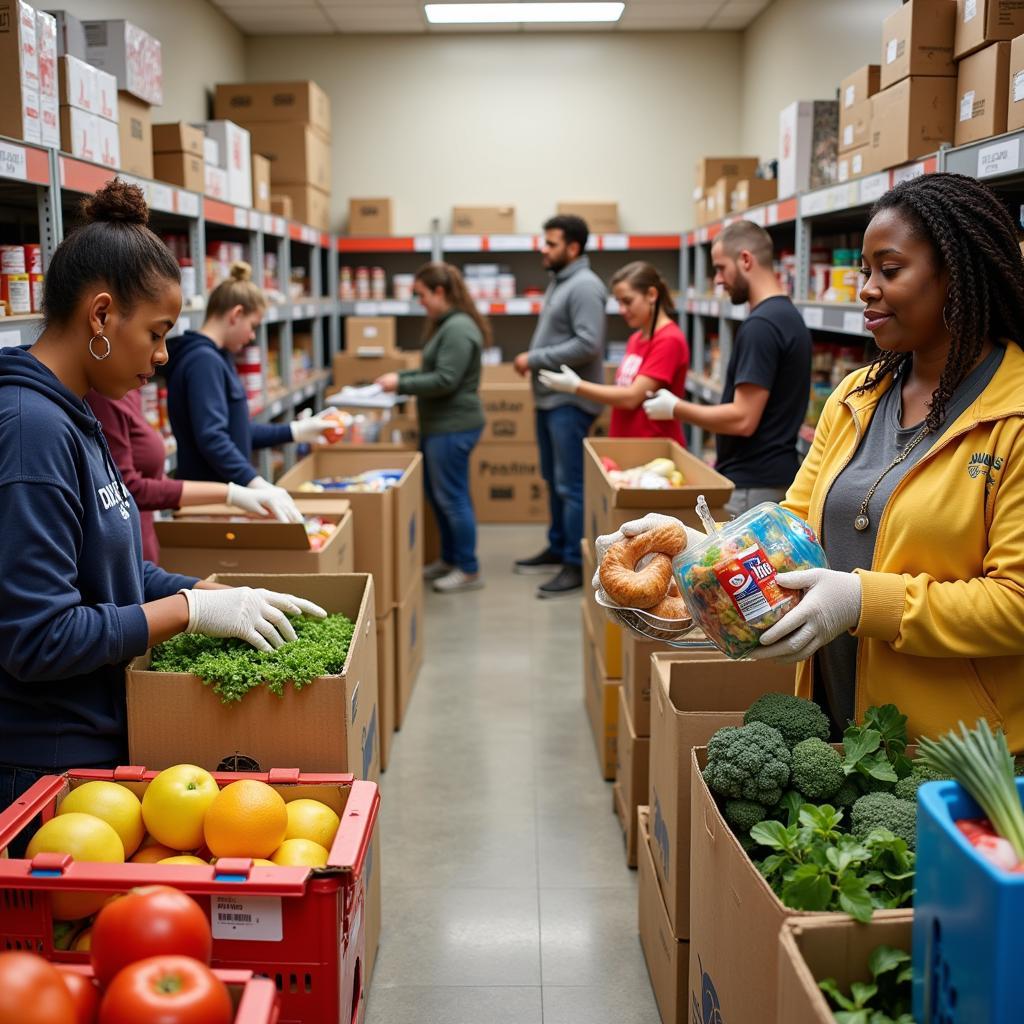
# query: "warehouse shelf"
{"points": [[282, 399], [520, 306], [835, 317], [19, 330], [511, 243], [704, 389], [712, 306], [993, 159], [24, 163], [389, 243]]}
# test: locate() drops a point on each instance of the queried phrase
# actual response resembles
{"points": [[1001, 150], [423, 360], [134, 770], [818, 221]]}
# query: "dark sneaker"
{"points": [[546, 561], [568, 581]]}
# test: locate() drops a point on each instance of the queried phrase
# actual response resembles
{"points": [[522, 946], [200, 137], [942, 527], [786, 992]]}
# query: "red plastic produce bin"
{"points": [[302, 927]]}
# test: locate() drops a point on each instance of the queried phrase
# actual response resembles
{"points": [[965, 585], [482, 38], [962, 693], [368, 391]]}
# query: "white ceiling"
{"points": [[304, 17]]}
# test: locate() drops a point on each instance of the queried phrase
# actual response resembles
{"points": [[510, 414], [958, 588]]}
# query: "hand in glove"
{"points": [[313, 429], [662, 406], [830, 607], [259, 617], [264, 499], [568, 380]]}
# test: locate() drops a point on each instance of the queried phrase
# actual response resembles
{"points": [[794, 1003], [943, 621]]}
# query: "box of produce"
{"points": [[222, 704], [788, 824], [259, 871], [729, 580]]}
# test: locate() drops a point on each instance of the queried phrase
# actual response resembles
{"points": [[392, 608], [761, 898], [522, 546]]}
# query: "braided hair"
{"points": [[975, 241]]}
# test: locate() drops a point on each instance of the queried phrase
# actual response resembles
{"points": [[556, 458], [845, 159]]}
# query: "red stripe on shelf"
{"points": [[295, 232], [376, 244], [714, 230], [218, 212], [787, 210], [37, 166], [79, 176], [497, 309], [654, 241], [325, 240]]}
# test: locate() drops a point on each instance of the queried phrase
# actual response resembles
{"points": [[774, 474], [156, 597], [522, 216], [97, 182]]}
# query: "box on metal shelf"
{"points": [[719, 197], [917, 39], [483, 220], [77, 84], [1015, 107], [601, 218], [753, 192], [49, 102], [509, 413], [179, 137], [668, 958], [330, 725], [608, 635], [710, 168], [912, 119], [370, 335], [235, 150], [632, 765], [135, 124], [983, 94], [301, 927], [281, 206], [506, 485], [386, 684], [80, 134], [980, 22], [211, 151], [409, 647], [215, 182], [812, 949], [309, 205], [260, 183], [693, 694], [370, 217], [20, 116], [357, 370], [601, 699], [854, 163], [855, 92], [184, 169], [128, 53], [70, 35], [293, 102], [808, 145], [298, 154]]}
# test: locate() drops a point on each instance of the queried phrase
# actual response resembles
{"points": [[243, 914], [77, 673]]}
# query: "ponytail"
{"points": [[642, 276], [446, 276]]}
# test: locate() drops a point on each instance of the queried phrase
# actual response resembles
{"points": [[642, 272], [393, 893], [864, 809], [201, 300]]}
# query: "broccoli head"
{"points": [[797, 719], [743, 815], [748, 762], [817, 769], [885, 810], [906, 789], [847, 795]]}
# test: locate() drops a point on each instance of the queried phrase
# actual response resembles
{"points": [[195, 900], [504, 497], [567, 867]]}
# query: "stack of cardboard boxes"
{"points": [[728, 184], [89, 112], [28, 71]]}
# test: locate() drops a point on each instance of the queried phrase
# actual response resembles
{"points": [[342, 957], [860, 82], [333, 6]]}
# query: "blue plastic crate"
{"points": [[968, 936]]}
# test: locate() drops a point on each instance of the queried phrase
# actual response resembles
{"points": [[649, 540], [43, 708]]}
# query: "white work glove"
{"points": [[264, 499], [662, 406], [568, 380], [312, 429], [830, 607], [259, 617]]}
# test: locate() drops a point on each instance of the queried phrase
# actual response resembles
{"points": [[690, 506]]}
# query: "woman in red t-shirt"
{"points": [[657, 356]]}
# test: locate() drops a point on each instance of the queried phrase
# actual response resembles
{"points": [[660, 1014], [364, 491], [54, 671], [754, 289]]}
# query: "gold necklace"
{"points": [[862, 522]]}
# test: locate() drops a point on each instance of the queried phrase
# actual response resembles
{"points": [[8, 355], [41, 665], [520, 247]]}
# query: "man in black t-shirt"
{"points": [[768, 380]]}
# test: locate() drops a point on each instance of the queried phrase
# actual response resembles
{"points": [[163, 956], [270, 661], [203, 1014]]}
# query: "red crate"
{"points": [[311, 920], [255, 999]]}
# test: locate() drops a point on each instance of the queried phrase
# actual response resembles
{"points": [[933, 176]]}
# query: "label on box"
{"points": [[891, 51], [1002, 158], [967, 105], [850, 97], [13, 162], [749, 580], [1018, 87], [249, 918], [970, 10], [848, 135]]}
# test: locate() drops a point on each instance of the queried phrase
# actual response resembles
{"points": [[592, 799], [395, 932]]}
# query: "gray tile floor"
{"points": [[506, 892]]}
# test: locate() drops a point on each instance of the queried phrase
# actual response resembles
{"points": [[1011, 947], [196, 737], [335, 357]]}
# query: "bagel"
{"points": [[671, 607], [644, 588]]}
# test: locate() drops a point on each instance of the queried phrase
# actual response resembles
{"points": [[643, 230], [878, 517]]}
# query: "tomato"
{"points": [[150, 921], [32, 991], [170, 989], [85, 993]]}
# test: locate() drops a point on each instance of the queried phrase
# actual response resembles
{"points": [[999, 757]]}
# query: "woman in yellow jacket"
{"points": [[915, 480]]}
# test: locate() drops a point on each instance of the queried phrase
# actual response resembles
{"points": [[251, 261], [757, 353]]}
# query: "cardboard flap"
{"points": [[225, 534]]}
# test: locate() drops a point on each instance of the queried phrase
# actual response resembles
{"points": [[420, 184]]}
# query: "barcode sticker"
{"points": [[848, 135], [247, 918], [970, 10], [1018, 87], [851, 96], [967, 105], [891, 51]]}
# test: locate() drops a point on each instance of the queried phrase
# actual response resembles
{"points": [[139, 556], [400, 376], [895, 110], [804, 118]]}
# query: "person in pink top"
{"points": [[657, 356]]}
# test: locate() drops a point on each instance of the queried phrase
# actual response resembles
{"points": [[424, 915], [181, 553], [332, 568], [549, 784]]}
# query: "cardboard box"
{"points": [[386, 683], [501, 373], [136, 135], [668, 958], [80, 134], [607, 507], [980, 22], [369, 217], [808, 145], [77, 84], [854, 163], [1015, 107], [106, 96], [216, 179], [260, 183], [750, 192], [483, 220], [601, 218], [632, 761], [710, 168], [917, 39], [211, 152], [814, 948], [388, 524], [408, 647], [983, 94], [179, 137], [601, 699], [184, 169], [235, 158], [911, 120], [719, 197], [298, 154], [607, 634], [132, 56], [628, 826], [46, 54], [293, 102], [375, 335], [70, 35], [281, 206], [328, 726], [693, 695], [509, 413], [49, 123], [855, 92], [636, 678], [356, 370], [21, 23], [20, 116], [730, 936], [109, 141], [309, 205], [506, 485]]}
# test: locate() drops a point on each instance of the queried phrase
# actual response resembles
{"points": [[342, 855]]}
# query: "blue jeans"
{"points": [[13, 783], [446, 482], [560, 436]]}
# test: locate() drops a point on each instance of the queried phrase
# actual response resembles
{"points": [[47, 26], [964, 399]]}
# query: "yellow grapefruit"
{"points": [[118, 807], [299, 853], [310, 819], [175, 804], [247, 819], [183, 858]]}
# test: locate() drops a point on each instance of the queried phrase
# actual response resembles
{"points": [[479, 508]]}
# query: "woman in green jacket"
{"points": [[451, 417]]}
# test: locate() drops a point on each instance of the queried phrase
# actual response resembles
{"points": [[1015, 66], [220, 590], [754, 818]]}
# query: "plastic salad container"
{"points": [[728, 580]]}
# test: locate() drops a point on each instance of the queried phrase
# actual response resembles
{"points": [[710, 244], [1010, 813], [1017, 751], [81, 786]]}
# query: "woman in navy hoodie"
{"points": [[77, 601]]}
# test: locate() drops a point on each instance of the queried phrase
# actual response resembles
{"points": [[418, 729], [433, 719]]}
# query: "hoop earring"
{"points": [[103, 338]]}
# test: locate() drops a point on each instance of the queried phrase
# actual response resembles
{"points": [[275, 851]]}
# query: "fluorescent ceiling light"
{"points": [[520, 13]]}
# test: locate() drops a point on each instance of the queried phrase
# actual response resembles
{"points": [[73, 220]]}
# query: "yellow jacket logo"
{"points": [[983, 463]]}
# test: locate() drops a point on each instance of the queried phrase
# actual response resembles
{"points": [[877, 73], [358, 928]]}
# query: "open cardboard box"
{"points": [[601, 698], [693, 695], [608, 635], [330, 725], [814, 948], [388, 524], [607, 506]]}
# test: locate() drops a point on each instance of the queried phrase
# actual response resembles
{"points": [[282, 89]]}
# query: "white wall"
{"points": [[801, 50], [441, 120], [200, 47]]}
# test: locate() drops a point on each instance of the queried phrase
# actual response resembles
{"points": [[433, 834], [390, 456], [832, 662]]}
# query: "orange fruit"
{"points": [[83, 944], [310, 819], [183, 858], [259, 862], [247, 819], [175, 804], [117, 806], [299, 853], [154, 854]]}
